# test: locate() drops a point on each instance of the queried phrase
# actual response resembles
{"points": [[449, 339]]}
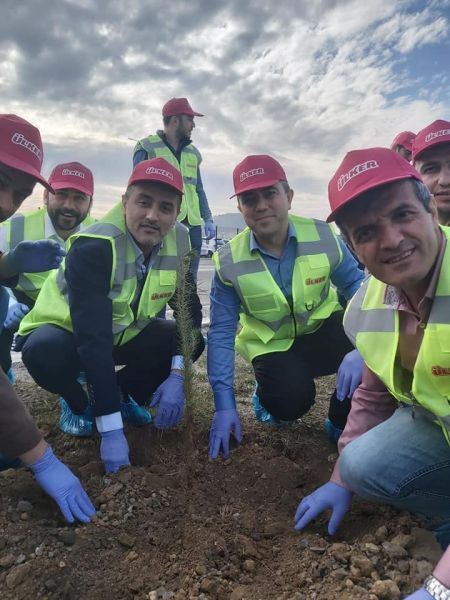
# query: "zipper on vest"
{"points": [[413, 402], [293, 318]]}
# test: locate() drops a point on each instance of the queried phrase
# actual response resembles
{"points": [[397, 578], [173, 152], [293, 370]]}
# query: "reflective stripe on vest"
{"points": [[268, 322], [188, 165], [374, 329]]}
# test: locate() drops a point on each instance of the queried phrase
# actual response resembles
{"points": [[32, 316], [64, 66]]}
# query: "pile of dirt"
{"points": [[228, 537]]}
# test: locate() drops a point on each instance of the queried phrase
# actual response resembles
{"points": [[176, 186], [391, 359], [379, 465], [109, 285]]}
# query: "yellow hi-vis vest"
{"points": [[29, 226], [374, 329], [52, 305], [268, 322], [190, 160]]}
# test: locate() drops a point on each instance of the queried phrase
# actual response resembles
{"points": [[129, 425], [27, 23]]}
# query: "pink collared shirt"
{"points": [[371, 403]]}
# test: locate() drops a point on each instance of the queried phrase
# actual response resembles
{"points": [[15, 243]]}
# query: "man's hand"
{"points": [[15, 314], [114, 450], [331, 495], [169, 398], [224, 423], [210, 230], [349, 375], [34, 257], [421, 594], [61, 484]]}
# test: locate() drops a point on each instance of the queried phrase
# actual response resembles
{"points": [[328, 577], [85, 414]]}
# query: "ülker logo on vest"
{"points": [[355, 171], [21, 140]]}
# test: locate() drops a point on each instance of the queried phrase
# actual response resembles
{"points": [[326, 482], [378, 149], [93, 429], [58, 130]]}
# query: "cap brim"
{"points": [[255, 186], [437, 143], [332, 216], [62, 185], [24, 167]]}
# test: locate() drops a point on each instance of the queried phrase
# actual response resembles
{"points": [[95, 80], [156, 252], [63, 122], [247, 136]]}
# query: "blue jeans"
{"points": [[405, 462], [195, 235]]}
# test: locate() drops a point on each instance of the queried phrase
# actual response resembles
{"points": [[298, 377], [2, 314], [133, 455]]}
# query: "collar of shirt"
{"points": [[181, 144], [142, 265], [50, 232], [255, 246], [396, 299]]}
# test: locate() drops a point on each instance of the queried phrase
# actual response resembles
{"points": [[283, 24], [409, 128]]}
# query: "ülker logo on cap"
{"points": [[73, 173], [355, 171], [162, 172], [435, 134], [21, 140], [247, 174]]}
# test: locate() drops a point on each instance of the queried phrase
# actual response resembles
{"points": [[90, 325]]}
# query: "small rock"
{"points": [[50, 585], [363, 564], [273, 529], [17, 575], [21, 559], [381, 533], [109, 493], [67, 537], [249, 565], [61, 564], [201, 570], [238, 593], [7, 561], [125, 540], [132, 556], [371, 548], [386, 589], [394, 551], [422, 568], [153, 595], [24, 506], [124, 476], [404, 540], [206, 585]]}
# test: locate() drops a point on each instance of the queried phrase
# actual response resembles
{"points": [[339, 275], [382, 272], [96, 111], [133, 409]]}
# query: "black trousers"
{"points": [[6, 341], [51, 357], [285, 380]]}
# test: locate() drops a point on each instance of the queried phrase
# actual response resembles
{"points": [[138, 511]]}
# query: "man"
{"points": [[100, 311], [431, 156], [174, 144], [21, 156], [395, 447], [275, 277], [66, 212], [403, 144]]}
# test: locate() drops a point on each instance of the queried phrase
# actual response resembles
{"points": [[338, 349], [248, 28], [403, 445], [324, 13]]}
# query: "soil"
{"points": [[228, 536]]}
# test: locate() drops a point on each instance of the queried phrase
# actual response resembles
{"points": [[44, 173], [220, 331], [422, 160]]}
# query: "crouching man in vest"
{"points": [[275, 278], [66, 212], [395, 447], [99, 310]]}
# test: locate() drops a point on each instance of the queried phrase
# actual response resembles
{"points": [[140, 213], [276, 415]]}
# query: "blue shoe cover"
{"points": [[334, 433], [9, 463], [264, 415], [10, 375], [134, 414], [77, 425]]}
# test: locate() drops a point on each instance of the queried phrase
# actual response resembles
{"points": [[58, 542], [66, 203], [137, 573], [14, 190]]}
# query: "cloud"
{"points": [[304, 82]]}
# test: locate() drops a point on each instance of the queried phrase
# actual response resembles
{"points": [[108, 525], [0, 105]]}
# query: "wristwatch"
{"points": [[436, 589]]}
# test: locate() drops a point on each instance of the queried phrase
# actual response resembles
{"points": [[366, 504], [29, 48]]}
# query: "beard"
{"points": [[65, 219]]}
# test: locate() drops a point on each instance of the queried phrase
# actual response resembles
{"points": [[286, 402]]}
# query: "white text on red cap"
{"points": [[163, 172], [73, 173], [247, 174], [355, 171], [435, 134], [21, 140]]}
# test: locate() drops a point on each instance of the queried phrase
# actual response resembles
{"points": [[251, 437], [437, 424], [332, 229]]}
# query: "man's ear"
{"points": [[46, 193], [290, 195], [124, 201]]}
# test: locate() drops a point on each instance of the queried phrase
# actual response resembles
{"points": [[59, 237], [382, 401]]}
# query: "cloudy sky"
{"points": [[304, 81]]}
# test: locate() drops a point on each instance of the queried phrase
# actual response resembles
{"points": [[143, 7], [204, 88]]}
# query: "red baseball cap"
{"points": [[405, 139], [179, 106], [363, 170], [21, 147], [256, 171], [157, 169], [72, 175], [436, 133]]}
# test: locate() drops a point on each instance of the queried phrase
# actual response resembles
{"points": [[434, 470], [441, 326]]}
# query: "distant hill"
{"points": [[229, 224]]}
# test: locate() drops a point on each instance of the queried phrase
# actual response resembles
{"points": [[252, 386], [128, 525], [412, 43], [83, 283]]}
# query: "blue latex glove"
{"points": [[210, 229], [114, 450], [34, 257], [223, 424], [15, 314], [331, 495], [349, 375], [421, 594], [61, 484], [169, 397]]}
